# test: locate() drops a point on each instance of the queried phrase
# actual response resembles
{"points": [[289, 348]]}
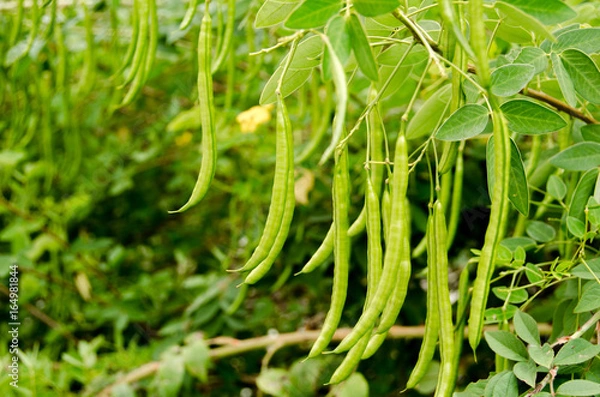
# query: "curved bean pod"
{"points": [[495, 229], [341, 252], [432, 320], [207, 115]]}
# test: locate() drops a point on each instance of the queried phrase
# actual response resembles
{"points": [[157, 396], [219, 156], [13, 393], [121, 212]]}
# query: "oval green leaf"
{"points": [[305, 59], [519, 193], [466, 122], [586, 40], [549, 12], [508, 80], [362, 48], [533, 56], [274, 12], [527, 117], [578, 387], [540, 231], [526, 328], [582, 193], [584, 74], [313, 14], [373, 8], [506, 344], [430, 115], [564, 80], [556, 188], [591, 132], [579, 157], [589, 301]]}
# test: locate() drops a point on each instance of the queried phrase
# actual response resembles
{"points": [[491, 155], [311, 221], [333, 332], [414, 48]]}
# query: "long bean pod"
{"points": [[495, 229], [393, 254], [285, 144], [447, 374], [341, 252], [394, 305], [432, 319], [207, 116]]}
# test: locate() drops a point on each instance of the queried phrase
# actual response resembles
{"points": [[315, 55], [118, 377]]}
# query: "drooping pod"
{"points": [[207, 116]]}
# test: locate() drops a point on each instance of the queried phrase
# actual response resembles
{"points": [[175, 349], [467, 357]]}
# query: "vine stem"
{"points": [[233, 347]]}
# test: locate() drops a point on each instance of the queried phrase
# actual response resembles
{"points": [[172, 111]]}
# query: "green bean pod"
{"points": [[394, 304], [393, 254], [495, 229], [285, 146], [140, 7], [447, 374], [131, 48], [432, 319], [207, 115], [189, 14], [341, 252], [457, 187], [351, 361], [326, 248]]}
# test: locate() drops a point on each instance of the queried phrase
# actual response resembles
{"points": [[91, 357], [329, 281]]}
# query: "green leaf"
{"points": [[430, 115], [578, 387], [122, 390], [512, 296], [466, 122], [339, 38], [542, 355], [274, 12], [586, 40], [497, 315], [169, 377], [533, 273], [273, 381], [591, 132], [313, 14], [584, 74], [527, 117], [508, 80], [373, 8], [305, 59], [526, 328], [576, 227], [197, 359], [584, 273], [512, 243], [593, 212], [519, 194], [564, 80], [590, 298], [517, 26], [550, 12], [506, 344], [582, 156], [556, 187], [533, 56], [502, 385], [362, 48], [526, 372], [540, 231], [355, 386], [582, 193]]}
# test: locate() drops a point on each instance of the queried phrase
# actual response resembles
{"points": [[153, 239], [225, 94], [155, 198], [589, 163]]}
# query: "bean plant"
{"points": [[458, 143]]}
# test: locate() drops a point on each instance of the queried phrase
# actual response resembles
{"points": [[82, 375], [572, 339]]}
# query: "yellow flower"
{"points": [[183, 139], [250, 119]]}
